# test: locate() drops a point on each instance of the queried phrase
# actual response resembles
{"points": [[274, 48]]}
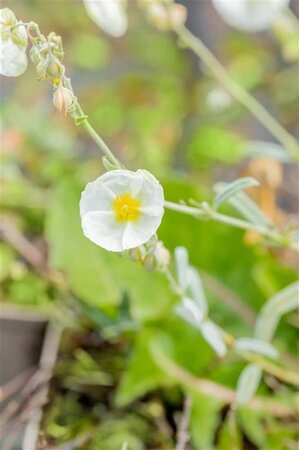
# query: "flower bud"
{"points": [[162, 256], [7, 18], [19, 36], [165, 17], [54, 68], [149, 262], [63, 99]]}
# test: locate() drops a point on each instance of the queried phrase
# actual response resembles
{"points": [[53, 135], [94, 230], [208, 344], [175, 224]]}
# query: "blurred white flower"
{"points": [[250, 15], [121, 209], [13, 44], [109, 15]]}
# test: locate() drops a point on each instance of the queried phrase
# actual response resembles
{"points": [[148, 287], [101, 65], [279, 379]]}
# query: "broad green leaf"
{"points": [[256, 346], [251, 422], [204, 420], [232, 189], [248, 383], [142, 373]]}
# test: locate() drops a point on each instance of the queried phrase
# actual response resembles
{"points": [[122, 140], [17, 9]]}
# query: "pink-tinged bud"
{"points": [[63, 99], [166, 17]]}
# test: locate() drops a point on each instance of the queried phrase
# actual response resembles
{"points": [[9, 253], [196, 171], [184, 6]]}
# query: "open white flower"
{"points": [[13, 44], [250, 15], [122, 209], [109, 15]]}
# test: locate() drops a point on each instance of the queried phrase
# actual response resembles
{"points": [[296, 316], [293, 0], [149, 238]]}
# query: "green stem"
{"points": [[81, 118], [210, 214], [100, 143], [220, 73], [284, 375]]}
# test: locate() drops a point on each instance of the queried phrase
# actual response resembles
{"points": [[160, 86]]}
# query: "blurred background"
{"points": [[159, 108]]}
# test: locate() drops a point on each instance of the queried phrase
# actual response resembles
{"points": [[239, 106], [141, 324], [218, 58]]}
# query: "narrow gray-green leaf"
{"points": [[190, 311], [256, 346], [248, 383], [268, 149], [212, 335], [182, 266], [281, 303], [232, 189], [245, 206], [196, 289]]}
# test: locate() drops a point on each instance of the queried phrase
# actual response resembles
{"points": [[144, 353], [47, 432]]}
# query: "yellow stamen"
{"points": [[126, 208]]}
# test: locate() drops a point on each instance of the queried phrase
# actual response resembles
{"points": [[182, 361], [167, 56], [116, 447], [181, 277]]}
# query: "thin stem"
{"points": [[222, 75], [222, 393], [284, 375], [210, 214], [81, 118]]}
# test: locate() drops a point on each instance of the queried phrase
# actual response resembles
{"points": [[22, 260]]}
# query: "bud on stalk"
{"points": [[63, 99]]}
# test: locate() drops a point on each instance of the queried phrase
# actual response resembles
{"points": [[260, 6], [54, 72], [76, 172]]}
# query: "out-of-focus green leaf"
{"points": [[88, 51], [205, 417], [142, 373], [210, 144], [251, 423]]}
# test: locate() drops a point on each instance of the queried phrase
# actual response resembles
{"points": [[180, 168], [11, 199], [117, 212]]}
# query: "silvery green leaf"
{"points": [[232, 189], [281, 303], [196, 290], [269, 149], [265, 327], [182, 266], [256, 346], [212, 335], [246, 207], [189, 310], [284, 301], [248, 383]]}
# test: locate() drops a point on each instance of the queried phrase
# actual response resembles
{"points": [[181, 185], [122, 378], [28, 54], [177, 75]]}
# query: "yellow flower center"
{"points": [[126, 208]]}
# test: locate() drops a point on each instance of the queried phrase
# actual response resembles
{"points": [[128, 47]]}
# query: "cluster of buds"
{"points": [[46, 54], [153, 255], [165, 15]]}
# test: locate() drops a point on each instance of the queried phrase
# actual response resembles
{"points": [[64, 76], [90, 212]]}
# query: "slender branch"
{"points": [[223, 393], [237, 91], [210, 214]]}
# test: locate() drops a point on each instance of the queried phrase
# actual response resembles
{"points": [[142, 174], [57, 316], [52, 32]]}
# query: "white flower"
{"points": [[122, 209], [109, 15], [250, 15], [13, 44]]}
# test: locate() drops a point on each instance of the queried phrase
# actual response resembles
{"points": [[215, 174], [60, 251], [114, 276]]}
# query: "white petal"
{"points": [[249, 15], [140, 232], [109, 15], [13, 59], [102, 229], [123, 182], [96, 197], [151, 195]]}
